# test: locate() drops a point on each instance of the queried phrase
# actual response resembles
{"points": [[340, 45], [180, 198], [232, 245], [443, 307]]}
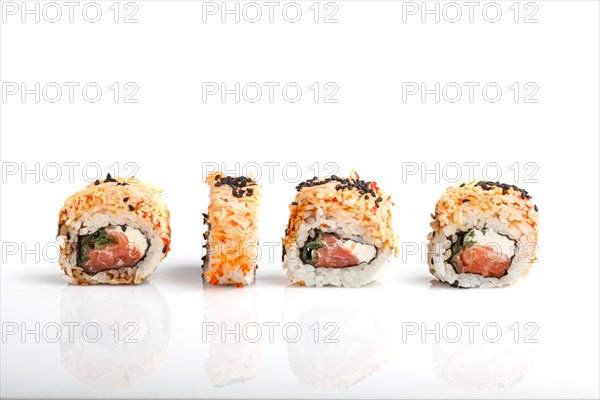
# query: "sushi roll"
{"points": [[114, 231], [232, 236], [340, 232], [484, 235]]}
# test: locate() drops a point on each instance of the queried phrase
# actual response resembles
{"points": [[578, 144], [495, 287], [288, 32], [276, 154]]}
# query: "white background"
{"points": [[173, 137]]}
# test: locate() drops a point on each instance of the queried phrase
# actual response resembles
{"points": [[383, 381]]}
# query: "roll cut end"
{"points": [[484, 235], [114, 231], [340, 232]]}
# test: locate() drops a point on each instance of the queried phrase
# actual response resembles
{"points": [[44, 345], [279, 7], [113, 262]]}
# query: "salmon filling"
{"points": [[327, 250], [483, 252], [111, 248]]}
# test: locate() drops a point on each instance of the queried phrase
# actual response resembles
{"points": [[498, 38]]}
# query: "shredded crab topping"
{"points": [[233, 230], [505, 202], [346, 198]]}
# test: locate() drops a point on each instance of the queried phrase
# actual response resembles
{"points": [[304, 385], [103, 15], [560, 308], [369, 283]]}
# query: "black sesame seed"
{"points": [[535, 207], [164, 249], [363, 187], [237, 184], [379, 199], [366, 197], [294, 203], [462, 185], [466, 201], [109, 178], [123, 228], [131, 208], [125, 199], [68, 235], [97, 182], [125, 183], [489, 185]]}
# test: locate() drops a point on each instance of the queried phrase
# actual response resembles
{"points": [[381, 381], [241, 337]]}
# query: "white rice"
{"points": [[97, 218], [355, 276], [440, 253]]}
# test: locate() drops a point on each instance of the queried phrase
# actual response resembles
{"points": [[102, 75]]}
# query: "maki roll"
{"points": [[114, 231], [484, 235], [339, 233], [232, 236]]}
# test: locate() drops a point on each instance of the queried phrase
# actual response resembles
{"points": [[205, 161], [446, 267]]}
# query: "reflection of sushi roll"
{"points": [[352, 343], [232, 237], [340, 232], [484, 235], [134, 328], [114, 231], [229, 359], [482, 366]]}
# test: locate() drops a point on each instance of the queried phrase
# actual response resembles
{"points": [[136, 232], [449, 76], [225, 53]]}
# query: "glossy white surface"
{"points": [[171, 136], [371, 358]]}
